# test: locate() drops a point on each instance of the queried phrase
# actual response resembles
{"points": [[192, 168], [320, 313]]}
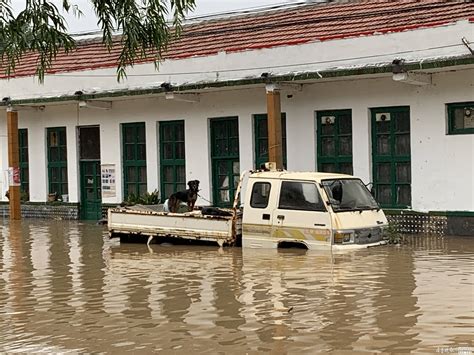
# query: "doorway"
{"points": [[89, 167]]}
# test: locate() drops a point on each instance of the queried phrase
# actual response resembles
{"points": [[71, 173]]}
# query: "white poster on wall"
{"points": [[107, 173], [14, 176]]}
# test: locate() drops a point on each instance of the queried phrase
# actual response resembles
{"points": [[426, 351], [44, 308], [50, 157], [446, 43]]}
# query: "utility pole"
{"points": [[13, 164], [275, 147]]}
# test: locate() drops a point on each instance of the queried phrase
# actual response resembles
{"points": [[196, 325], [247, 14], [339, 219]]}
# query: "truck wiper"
{"points": [[342, 208]]}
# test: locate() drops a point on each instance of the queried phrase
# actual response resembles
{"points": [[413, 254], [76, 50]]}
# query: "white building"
{"points": [[383, 90]]}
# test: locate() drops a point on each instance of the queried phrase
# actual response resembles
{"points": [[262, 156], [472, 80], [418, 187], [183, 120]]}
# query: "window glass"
{"points": [[461, 117], [350, 195], [53, 138], [179, 150], [402, 144], [128, 133], [403, 194], [298, 195], [334, 141], [345, 145], [345, 124], [89, 147], [141, 151], [260, 195]]}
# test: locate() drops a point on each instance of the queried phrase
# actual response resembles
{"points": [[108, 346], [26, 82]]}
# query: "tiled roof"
{"points": [[289, 26]]}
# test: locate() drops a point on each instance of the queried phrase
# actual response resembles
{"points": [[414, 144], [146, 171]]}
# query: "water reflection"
{"points": [[65, 287]]}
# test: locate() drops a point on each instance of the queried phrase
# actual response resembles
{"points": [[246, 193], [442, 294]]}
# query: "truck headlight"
{"points": [[343, 237]]}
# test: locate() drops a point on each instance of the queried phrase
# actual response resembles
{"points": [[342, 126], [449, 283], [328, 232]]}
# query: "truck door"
{"points": [[301, 215], [260, 205]]}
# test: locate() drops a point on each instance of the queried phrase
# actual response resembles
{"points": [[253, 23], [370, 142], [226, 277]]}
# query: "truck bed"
{"points": [[138, 221]]}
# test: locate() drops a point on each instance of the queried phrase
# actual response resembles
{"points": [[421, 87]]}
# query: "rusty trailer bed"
{"points": [[151, 221]]}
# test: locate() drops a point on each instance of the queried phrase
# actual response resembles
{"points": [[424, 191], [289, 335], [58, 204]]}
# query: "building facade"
{"points": [[389, 101]]}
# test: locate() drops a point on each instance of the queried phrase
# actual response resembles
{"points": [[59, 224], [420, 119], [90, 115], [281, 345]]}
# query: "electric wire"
{"points": [[289, 22], [220, 14]]}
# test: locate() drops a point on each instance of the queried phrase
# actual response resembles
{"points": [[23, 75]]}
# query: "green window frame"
{"points": [[334, 141], [261, 138], [460, 117], [57, 160], [172, 158], [24, 168], [134, 159], [391, 156], [225, 159]]}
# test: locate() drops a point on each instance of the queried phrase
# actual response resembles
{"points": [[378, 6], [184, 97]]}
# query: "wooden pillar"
{"points": [[13, 164], [275, 146]]}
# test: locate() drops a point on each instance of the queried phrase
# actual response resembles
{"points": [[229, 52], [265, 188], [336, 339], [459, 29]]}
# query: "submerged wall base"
{"points": [[438, 223], [69, 211]]}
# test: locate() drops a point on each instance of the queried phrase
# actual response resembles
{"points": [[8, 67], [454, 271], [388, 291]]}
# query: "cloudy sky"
{"points": [[89, 23]]}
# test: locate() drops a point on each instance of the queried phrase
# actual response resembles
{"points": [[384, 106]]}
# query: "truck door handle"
{"points": [[281, 217], [320, 225], [266, 216]]}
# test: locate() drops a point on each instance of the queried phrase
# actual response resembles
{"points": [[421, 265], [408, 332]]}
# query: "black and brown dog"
{"points": [[189, 196]]}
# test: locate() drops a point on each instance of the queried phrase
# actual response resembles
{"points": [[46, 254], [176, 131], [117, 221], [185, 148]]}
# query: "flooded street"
{"points": [[65, 287]]}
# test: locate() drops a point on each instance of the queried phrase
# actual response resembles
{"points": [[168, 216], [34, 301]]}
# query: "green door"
{"points": [[391, 160], [91, 196], [89, 167], [225, 159], [334, 141]]}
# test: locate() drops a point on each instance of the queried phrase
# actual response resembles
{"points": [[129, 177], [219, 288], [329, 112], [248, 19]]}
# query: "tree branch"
{"points": [[41, 30]]}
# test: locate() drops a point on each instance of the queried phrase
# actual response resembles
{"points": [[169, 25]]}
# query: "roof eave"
{"points": [[368, 70]]}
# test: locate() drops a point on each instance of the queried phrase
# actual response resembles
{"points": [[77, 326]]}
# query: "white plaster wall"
{"points": [[442, 41], [4, 156], [442, 165]]}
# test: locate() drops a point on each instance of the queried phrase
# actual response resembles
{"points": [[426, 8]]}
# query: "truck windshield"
{"points": [[349, 195]]}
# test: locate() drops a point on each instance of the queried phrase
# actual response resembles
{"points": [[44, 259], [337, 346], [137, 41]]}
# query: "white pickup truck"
{"points": [[309, 209]]}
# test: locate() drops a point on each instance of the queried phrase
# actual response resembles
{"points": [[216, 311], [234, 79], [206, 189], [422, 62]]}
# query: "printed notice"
{"points": [[14, 176], [108, 180]]}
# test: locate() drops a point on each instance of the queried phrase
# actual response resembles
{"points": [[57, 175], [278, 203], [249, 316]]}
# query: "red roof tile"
{"points": [[290, 26]]}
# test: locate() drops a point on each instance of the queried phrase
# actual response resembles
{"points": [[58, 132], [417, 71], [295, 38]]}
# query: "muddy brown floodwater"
{"points": [[65, 287]]}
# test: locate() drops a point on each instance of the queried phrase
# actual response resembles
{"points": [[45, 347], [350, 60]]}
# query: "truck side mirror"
{"points": [[370, 187]]}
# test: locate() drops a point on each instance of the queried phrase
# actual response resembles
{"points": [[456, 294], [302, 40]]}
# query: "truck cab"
{"points": [[311, 209]]}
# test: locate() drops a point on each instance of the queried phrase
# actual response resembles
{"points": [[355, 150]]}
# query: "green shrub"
{"points": [[24, 196], [148, 198], [392, 235]]}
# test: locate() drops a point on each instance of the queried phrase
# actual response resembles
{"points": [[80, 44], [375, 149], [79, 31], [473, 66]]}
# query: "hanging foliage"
{"points": [[142, 28]]}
